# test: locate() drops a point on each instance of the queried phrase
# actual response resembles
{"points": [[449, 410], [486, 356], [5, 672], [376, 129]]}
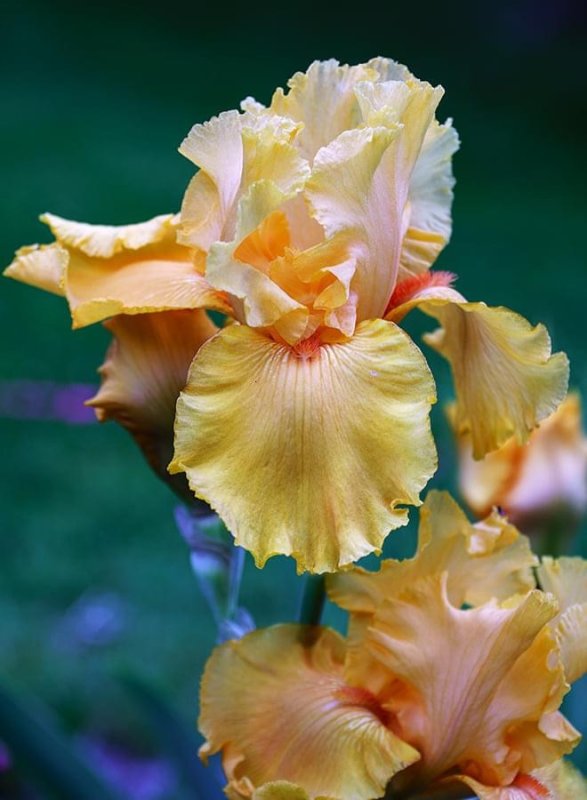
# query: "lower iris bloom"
{"points": [[312, 223], [452, 673]]}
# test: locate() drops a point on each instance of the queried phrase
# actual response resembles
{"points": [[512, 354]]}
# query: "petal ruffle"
{"points": [[482, 676], [486, 560], [308, 456], [234, 152], [145, 369], [106, 270], [41, 266], [276, 705], [566, 579], [506, 379], [430, 200]]}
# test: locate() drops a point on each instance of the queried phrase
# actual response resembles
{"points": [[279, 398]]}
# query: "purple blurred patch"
{"points": [[5, 760], [137, 777], [46, 400]]}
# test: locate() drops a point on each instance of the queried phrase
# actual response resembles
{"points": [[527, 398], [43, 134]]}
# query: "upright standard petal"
{"points": [[276, 704], [145, 369], [308, 456], [360, 183], [234, 152], [486, 682]]}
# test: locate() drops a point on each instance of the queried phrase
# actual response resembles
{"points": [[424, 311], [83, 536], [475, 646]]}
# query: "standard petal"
{"points": [[276, 705], [360, 183], [469, 671], [145, 369], [235, 151], [323, 99], [566, 579], [308, 457], [41, 266], [506, 379], [430, 200], [484, 561]]}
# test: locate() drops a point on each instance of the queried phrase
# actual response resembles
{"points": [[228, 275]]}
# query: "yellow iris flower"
{"points": [[539, 485], [453, 672], [313, 223]]}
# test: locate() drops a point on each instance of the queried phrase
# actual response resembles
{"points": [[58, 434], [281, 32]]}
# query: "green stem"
{"points": [[313, 600]]}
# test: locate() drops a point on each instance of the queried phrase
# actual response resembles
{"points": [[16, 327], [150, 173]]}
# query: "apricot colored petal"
{"points": [[506, 379], [280, 790], [486, 560], [430, 198], [566, 579], [145, 369], [275, 704], [467, 669], [41, 266], [108, 270], [308, 457], [323, 99]]}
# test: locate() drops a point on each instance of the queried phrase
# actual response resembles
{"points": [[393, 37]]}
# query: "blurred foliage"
{"points": [[96, 99]]}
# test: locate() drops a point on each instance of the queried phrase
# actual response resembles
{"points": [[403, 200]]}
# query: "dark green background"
{"points": [[95, 99]]}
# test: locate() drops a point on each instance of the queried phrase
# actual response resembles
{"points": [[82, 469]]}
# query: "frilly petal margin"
{"points": [[558, 781], [506, 379], [308, 457], [105, 270], [146, 368], [276, 705]]}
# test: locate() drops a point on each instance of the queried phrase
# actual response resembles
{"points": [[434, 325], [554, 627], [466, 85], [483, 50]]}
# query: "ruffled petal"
{"points": [[311, 456], [105, 270], [323, 99], [234, 152], [145, 369], [506, 379], [484, 561], [41, 266], [524, 787], [360, 183], [430, 200], [566, 579], [276, 705], [484, 682]]}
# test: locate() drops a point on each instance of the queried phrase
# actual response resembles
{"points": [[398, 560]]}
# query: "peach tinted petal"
{"points": [[486, 560], [276, 706], [145, 369], [467, 669], [41, 266], [548, 474], [309, 457]]}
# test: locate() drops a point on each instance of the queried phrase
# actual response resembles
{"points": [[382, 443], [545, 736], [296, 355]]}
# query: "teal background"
{"points": [[95, 100]]}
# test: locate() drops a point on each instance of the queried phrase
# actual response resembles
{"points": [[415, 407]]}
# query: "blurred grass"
{"points": [[97, 100]]}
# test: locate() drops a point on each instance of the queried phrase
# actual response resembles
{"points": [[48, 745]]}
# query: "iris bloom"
{"points": [[453, 673], [313, 224], [538, 483]]}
